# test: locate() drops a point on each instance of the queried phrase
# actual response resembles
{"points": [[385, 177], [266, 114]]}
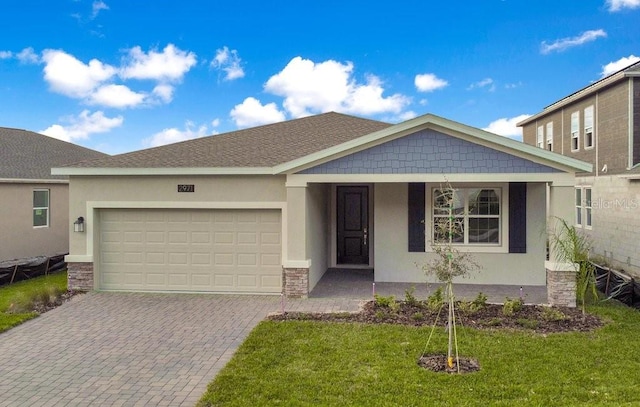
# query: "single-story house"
{"points": [[269, 209], [34, 205]]}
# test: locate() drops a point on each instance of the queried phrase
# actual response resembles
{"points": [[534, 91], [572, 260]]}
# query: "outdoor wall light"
{"points": [[78, 225]]}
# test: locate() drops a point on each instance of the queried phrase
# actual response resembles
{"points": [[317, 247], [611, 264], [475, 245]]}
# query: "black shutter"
{"points": [[416, 217], [517, 217]]}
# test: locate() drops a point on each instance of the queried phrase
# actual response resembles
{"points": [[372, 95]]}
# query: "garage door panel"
{"points": [[190, 250]]}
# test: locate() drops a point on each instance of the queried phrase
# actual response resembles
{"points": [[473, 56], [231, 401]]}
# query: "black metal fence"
{"points": [[23, 269]]}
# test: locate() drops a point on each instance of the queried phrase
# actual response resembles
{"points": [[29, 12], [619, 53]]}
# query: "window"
{"points": [[40, 208], [475, 213], [587, 207], [578, 207], [540, 137], [575, 131], [588, 127], [550, 136]]}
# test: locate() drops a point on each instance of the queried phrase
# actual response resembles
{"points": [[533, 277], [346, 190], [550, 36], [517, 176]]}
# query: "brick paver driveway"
{"points": [[116, 349]]}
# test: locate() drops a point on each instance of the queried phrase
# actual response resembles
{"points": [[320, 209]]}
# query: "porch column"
{"points": [[295, 273], [561, 276]]}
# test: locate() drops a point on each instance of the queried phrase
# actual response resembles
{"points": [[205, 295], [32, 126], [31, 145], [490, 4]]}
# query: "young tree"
{"points": [[449, 262]]}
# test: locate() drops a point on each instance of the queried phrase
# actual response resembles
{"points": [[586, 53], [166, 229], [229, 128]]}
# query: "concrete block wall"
{"points": [[615, 232]]}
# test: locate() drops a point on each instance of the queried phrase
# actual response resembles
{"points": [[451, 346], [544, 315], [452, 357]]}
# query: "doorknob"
{"points": [[365, 236]]}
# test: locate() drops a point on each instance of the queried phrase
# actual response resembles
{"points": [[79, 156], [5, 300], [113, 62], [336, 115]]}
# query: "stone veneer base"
{"points": [[561, 288], [295, 282], [80, 276]]}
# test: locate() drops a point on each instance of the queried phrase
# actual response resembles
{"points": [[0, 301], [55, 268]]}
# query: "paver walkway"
{"points": [[125, 349]]}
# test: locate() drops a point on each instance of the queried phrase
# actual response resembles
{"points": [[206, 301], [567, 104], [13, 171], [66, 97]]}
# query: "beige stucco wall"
{"points": [[317, 231], [18, 237], [163, 189], [394, 263]]}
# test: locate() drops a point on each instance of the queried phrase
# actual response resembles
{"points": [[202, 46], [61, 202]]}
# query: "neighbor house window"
{"points": [[588, 127], [475, 215], [575, 131], [540, 137], [41, 207], [587, 207], [550, 136], [579, 207]]}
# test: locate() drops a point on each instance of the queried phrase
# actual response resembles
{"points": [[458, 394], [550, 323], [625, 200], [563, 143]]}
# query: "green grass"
{"points": [[304, 363], [22, 292]]}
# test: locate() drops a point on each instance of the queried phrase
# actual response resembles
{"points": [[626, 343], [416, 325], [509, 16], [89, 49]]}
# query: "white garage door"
{"points": [[190, 250]]}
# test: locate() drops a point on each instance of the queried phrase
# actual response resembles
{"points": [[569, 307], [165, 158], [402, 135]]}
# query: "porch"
{"points": [[357, 284]]}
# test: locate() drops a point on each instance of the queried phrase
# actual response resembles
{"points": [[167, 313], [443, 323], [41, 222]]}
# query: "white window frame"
{"points": [[578, 203], [588, 207], [550, 136], [540, 137], [575, 131], [589, 134], [502, 246], [40, 208]]}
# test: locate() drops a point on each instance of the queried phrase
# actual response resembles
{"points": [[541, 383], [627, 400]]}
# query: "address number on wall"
{"points": [[186, 188]]}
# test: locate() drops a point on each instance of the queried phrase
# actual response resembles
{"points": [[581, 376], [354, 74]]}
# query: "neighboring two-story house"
{"points": [[34, 205], [600, 124]]}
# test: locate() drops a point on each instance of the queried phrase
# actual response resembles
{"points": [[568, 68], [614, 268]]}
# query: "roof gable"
{"points": [[428, 152], [28, 155]]}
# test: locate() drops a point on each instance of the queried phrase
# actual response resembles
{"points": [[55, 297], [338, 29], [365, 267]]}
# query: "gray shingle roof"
{"points": [[262, 146], [28, 155]]}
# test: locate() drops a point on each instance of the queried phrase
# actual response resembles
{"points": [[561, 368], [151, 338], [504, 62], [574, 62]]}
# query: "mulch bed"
{"points": [[41, 308], [533, 318]]}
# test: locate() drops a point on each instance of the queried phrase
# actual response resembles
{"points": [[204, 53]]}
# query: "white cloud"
{"points": [[487, 83], [82, 126], [118, 96], [96, 7], [28, 56], [408, 115], [169, 65], [252, 113], [174, 135], [229, 62], [6, 54], [621, 63], [617, 5], [164, 92], [429, 82], [569, 42], [310, 87], [507, 126], [215, 122], [69, 76]]}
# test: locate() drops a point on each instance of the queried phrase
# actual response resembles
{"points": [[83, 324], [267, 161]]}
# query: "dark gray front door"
{"points": [[353, 224]]}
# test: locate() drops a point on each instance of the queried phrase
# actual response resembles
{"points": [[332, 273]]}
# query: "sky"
{"points": [[123, 75]]}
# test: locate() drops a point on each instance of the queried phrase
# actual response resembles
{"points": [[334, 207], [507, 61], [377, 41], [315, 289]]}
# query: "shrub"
{"points": [[511, 307], [418, 316], [527, 323], [435, 300], [410, 298], [553, 314], [384, 302], [480, 301]]}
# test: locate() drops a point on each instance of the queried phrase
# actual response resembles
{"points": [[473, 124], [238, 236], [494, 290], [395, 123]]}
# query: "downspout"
{"points": [[630, 123], [562, 132], [595, 132]]}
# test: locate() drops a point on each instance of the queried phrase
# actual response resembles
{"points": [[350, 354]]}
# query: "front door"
{"points": [[353, 224]]}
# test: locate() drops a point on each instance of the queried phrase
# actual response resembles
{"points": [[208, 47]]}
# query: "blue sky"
{"points": [[117, 76]]}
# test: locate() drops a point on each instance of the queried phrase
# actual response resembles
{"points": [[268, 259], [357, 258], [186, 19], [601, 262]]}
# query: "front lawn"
{"points": [[309, 363], [15, 297]]}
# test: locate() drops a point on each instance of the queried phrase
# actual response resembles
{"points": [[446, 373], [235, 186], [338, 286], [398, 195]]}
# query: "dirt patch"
{"points": [[536, 318], [438, 363], [41, 307]]}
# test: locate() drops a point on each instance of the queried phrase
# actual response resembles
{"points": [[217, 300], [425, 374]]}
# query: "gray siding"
{"points": [[429, 152]]}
